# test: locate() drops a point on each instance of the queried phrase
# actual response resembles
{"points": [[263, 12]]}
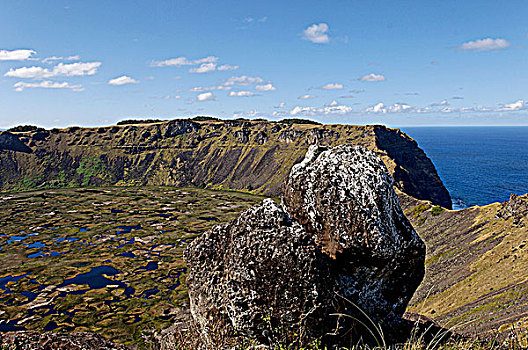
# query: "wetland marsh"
{"points": [[103, 260]]}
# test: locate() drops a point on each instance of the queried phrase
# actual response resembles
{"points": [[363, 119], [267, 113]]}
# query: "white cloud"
{"points": [[372, 77], [302, 110], [306, 97], [249, 20], [266, 87], [248, 114], [52, 59], [68, 70], [332, 86], [60, 58], [448, 110], [28, 72], [20, 86], [207, 88], [340, 109], [206, 96], [424, 110], [122, 80], [241, 93], [399, 107], [443, 107], [487, 44], [334, 109], [183, 61], [199, 89], [440, 104], [515, 106], [332, 104], [395, 108], [16, 55], [227, 67], [377, 108], [204, 68], [179, 61], [317, 33], [242, 80], [76, 69], [481, 109], [281, 105]]}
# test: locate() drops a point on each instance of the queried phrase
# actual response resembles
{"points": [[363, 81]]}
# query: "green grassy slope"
{"points": [[476, 276]]}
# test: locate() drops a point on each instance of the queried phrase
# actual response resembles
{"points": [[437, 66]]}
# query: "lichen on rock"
{"points": [[339, 241]]}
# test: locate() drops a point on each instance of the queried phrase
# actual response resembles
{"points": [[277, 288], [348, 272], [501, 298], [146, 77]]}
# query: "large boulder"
{"points": [[344, 198], [338, 243], [258, 271]]}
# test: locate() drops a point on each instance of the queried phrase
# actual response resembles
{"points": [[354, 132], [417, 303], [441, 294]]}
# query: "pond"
{"points": [[95, 279]]}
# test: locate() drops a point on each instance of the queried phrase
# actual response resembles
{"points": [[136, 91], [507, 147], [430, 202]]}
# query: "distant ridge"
{"points": [[232, 154]]}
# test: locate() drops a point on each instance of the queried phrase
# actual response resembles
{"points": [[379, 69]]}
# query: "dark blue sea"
{"points": [[478, 165]]}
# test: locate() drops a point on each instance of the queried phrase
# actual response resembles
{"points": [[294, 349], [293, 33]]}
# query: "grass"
{"points": [[422, 337], [190, 337]]}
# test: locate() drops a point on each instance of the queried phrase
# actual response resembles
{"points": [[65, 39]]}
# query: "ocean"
{"points": [[478, 165]]}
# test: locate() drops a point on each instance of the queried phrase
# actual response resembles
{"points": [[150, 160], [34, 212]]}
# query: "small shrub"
{"points": [[203, 118], [25, 128], [299, 121], [139, 121], [437, 210]]}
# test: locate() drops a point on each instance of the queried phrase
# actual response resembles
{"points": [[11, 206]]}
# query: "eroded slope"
{"points": [[476, 276]]}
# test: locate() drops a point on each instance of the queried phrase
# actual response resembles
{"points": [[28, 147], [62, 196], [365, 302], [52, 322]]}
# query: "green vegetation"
{"points": [[203, 118], [299, 121], [437, 210], [90, 167], [29, 183], [189, 338], [139, 121], [25, 128]]}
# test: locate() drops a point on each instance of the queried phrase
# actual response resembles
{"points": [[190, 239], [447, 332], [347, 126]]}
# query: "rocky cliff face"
{"points": [[245, 155], [339, 235]]}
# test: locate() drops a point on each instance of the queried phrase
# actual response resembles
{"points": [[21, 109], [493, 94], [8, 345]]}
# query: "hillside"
{"points": [[476, 276], [245, 155]]}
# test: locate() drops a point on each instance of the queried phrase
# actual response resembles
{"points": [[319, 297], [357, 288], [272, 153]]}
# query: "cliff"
{"points": [[242, 155], [476, 266]]}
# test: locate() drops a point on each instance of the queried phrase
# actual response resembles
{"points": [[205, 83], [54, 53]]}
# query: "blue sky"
{"points": [[400, 63]]}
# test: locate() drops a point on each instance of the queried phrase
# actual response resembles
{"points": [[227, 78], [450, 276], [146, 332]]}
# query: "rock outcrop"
{"points": [[516, 208], [10, 142], [30, 340], [339, 234]]}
